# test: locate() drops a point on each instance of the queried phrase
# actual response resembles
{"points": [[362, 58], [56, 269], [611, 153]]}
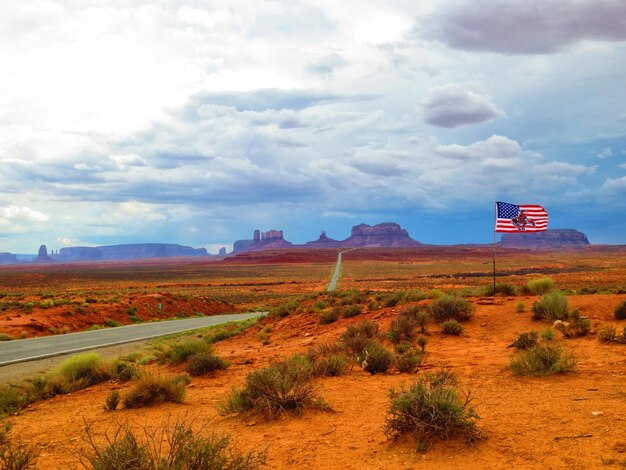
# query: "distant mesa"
{"points": [[8, 258], [271, 239], [42, 255], [128, 251], [388, 234], [551, 238], [222, 251]]}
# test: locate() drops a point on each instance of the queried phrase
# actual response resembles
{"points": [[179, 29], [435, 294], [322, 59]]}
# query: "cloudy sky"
{"points": [[197, 121]]}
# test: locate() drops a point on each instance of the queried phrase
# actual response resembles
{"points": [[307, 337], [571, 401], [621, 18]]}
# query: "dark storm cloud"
{"points": [[524, 27]]}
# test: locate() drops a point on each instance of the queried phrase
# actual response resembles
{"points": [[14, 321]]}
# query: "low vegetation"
{"points": [[283, 387], [376, 359], [525, 341], [431, 409], [540, 286], [174, 446], [608, 334], [451, 327], [450, 307], [552, 306], [543, 359], [150, 389], [620, 311], [15, 456], [205, 362]]}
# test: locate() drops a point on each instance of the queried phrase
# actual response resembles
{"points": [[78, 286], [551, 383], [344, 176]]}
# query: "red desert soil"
{"points": [[531, 423]]}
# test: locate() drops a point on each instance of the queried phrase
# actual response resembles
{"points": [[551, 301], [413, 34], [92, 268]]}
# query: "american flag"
{"points": [[523, 218]]}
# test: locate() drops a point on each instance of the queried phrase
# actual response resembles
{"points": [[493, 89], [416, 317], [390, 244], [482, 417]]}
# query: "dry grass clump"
{"points": [[501, 288], [357, 337], [608, 334], [540, 286], [543, 359], [15, 456], [173, 447], [431, 409], [450, 307], [205, 362], [151, 389], [620, 311], [278, 389], [552, 306], [525, 341], [451, 327], [408, 359], [330, 316], [403, 326], [182, 350], [376, 359]]}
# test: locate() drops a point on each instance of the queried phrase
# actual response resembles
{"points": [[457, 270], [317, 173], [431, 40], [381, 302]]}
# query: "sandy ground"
{"points": [[574, 421]]}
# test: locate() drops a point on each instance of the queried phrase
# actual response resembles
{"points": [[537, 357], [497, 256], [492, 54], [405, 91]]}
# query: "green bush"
{"points": [[606, 334], [376, 359], [579, 325], [451, 327], [329, 317], [5, 337], [10, 400], [620, 311], [449, 307], [409, 360], [401, 328], [352, 311], [552, 306], [151, 389], [123, 371], [278, 389], [547, 334], [525, 340], [112, 400], [83, 370], [520, 307], [357, 337], [112, 323], [182, 350], [205, 362], [430, 410], [422, 342], [331, 366], [543, 359], [187, 449], [540, 286], [502, 289]]}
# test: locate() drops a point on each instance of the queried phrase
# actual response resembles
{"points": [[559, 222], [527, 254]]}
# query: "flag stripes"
{"points": [[522, 218]]}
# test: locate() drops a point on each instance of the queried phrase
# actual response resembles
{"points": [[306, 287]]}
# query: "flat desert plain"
{"points": [[570, 420]]}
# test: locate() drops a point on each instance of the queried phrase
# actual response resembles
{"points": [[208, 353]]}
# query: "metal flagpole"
{"points": [[495, 219]]}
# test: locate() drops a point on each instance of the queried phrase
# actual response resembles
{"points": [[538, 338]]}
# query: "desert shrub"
{"points": [[376, 359], [329, 317], [82, 370], [620, 311], [331, 366], [451, 327], [320, 305], [123, 371], [422, 342], [205, 362], [112, 323], [429, 410], [520, 307], [401, 328], [552, 306], [352, 311], [373, 305], [547, 334], [540, 286], [151, 389], [10, 400], [182, 350], [280, 388], [606, 334], [357, 337], [392, 300], [525, 341], [112, 400], [264, 335], [174, 447], [16, 457], [5, 337], [543, 359], [502, 289], [579, 325], [422, 317], [409, 360], [449, 307]]}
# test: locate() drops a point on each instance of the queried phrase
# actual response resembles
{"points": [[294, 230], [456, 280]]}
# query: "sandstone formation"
{"points": [[388, 234], [8, 258], [271, 239], [551, 238], [129, 251], [324, 242], [42, 255], [222, 251]]}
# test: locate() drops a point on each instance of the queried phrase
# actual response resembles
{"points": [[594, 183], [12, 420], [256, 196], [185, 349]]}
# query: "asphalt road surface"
{"points": [[31, 349], [333, 282]]}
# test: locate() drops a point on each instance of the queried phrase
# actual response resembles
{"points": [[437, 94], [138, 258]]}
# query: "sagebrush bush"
{"points": [[409, 360], [331, 366], [329, 317], [17, 456], [450, 307], [152, 389], [401, 328], [358, 336], [543, 359], [525, 340], [451, 327], [502, 289], [182, 350], [540, 286], [547, 334], [552, 306], [376, 359], [112, 400], [173, 447], [123, 371], [352, 311], [620, 311], [280, 388], [431, 409], [205, 362], [608, 333], [520, 307], [10, 400]]}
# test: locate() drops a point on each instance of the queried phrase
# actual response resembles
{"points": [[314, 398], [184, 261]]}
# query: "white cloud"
{"points": [[22, 214], [606, 152], [495, 147], [453, 105]]}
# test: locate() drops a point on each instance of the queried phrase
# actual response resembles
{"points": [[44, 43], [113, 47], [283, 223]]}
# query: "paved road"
{"points": [[31, 349], [333, 282]]}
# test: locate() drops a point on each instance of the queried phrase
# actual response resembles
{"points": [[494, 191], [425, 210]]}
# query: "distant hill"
{"points": [[551, 238], [128, 251]]}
